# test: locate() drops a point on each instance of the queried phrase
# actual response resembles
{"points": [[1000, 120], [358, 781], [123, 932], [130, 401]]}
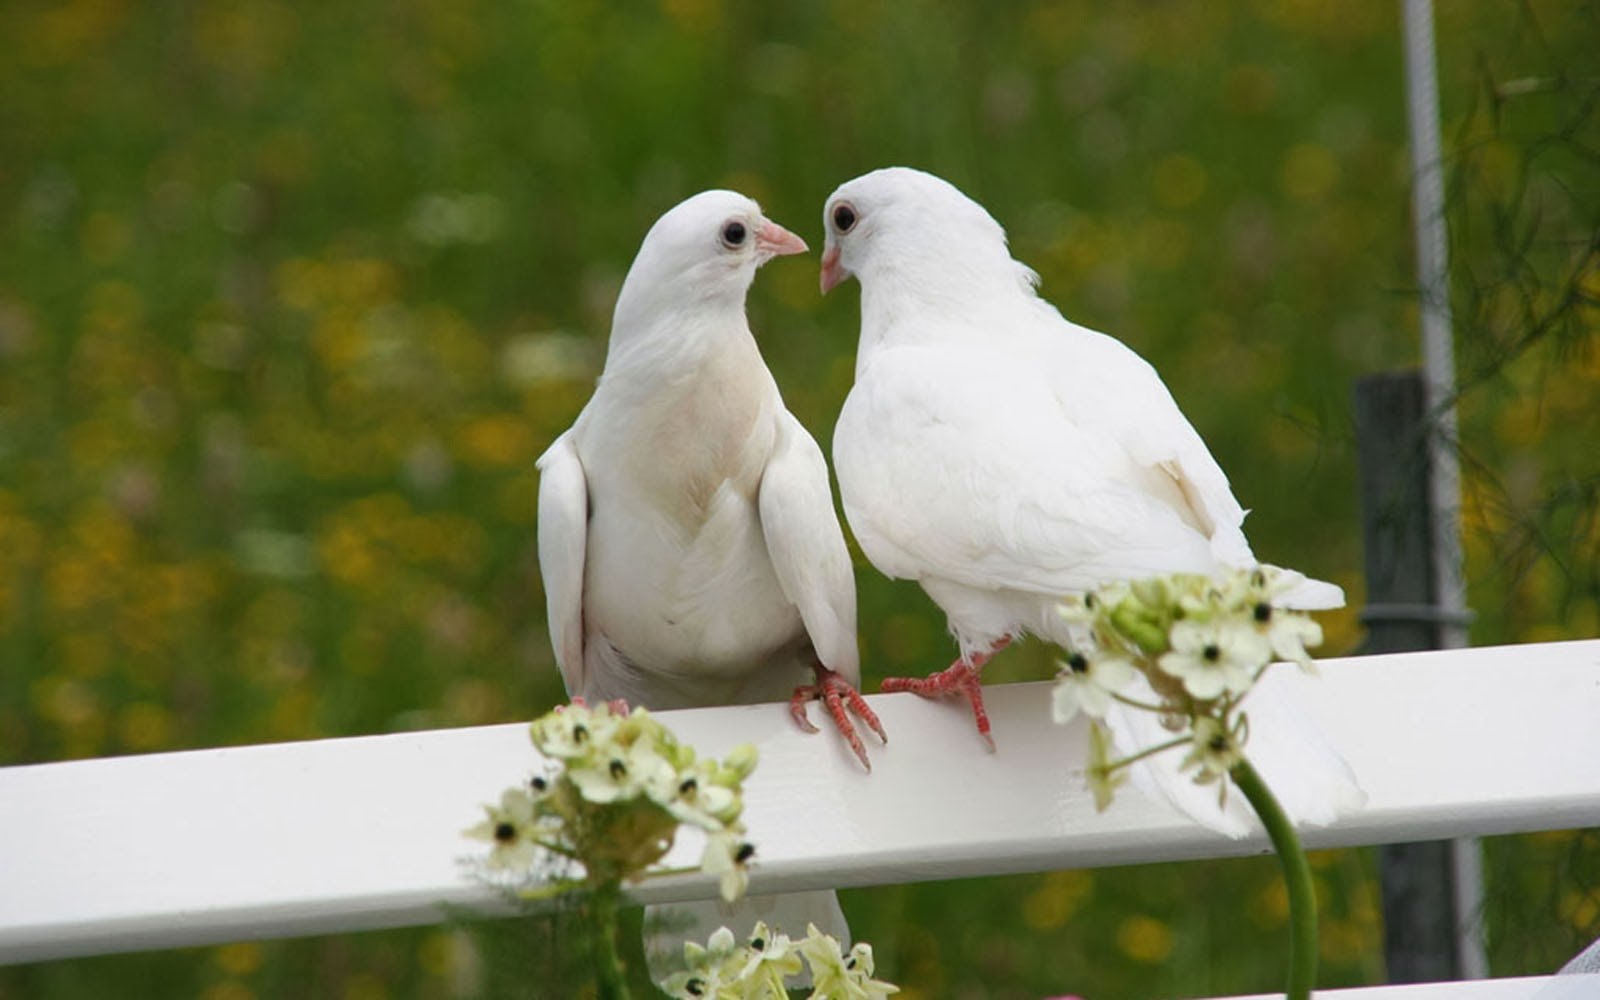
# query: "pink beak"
{"points": [[773, 240], [832, 271]]}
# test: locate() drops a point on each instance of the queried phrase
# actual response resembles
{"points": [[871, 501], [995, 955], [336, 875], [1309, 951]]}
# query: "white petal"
{"points": [[1064, 703], [1114, 673]]}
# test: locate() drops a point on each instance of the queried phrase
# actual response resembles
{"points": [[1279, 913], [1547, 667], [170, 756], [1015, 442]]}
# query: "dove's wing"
{"points": [[1125, 397], [996, 485], [563, 537], [807, 546], [1128, 399]]}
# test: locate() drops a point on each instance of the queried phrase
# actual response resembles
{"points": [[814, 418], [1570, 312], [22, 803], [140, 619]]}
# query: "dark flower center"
{"points": [[1212, 652], [505, 833], [619, 770], [1263, 612], [744, 853], [1078, 663]]}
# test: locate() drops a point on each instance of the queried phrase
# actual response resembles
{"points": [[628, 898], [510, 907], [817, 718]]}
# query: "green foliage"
{"points": [[291, 295]]}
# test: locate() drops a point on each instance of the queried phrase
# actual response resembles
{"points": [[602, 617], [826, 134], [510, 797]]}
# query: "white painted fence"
{"points": [[177, 849]]}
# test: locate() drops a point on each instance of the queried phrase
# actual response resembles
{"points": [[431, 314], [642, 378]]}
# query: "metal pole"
{"points": [[1416, 881], [1439, 381]]}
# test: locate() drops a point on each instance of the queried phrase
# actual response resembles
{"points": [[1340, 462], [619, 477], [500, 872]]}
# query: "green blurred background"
{"points": [[292, 295]]}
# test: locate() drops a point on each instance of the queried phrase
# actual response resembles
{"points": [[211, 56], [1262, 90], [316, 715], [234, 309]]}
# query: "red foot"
{"points": [[836, 695], [960, 678]]}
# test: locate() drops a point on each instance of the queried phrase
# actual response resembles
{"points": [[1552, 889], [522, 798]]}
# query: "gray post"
{"points": [[1421, 908]]}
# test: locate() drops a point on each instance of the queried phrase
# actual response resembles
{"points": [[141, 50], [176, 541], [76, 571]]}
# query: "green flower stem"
{"points": [[604, 902], [1296, 876], [1148, 752]]}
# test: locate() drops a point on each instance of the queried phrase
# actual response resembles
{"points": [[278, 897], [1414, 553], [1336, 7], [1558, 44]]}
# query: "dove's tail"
{"points": [[1295, 591], [1306, 774], [1312, 595]]}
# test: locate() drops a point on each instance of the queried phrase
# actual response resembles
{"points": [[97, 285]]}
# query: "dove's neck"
{"points": [[661, 333], [680, 346], [901, 305]]}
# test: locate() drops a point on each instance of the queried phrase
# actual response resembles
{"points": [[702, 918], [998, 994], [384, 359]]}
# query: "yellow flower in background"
{"points": [[1145, 939], [500, 439]]}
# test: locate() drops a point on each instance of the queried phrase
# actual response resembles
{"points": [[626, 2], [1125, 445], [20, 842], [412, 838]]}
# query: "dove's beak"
{"points": [[772, 240], [833, 272]]}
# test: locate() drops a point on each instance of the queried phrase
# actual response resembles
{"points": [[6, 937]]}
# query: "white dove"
{"points": [[688, 543], [993, 451], [687, 538]]}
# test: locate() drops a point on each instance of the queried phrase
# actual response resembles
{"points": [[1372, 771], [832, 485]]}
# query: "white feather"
{"points": [[563, 533], [807, 546]]}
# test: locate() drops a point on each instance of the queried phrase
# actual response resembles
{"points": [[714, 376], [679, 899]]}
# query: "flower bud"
{"points": [[741, 760], [1144, 624]]}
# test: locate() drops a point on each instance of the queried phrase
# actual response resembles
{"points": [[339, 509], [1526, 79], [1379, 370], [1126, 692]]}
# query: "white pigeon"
{"points": [[998, 454], [687, 538], [688, 543]]}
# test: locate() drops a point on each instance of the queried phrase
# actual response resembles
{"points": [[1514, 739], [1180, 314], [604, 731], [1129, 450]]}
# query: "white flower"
{"points": [[859, 967], [771, 959], [1079, 609], [837, 976], [694, 984], [513, 827], [1288, 633], [696, 798], [711, 970], [573, 731], [727, 856], [1272, 582], [1213, 750], [1212, 657], [1085, 684], [758, 969], [613, 774]]}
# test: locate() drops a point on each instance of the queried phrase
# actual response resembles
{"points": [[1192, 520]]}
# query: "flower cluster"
{"points": [[759, 968], [1188, 647], [609, 805]]}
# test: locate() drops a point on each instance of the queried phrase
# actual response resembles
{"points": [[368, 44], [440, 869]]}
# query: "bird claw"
{"points": [[841, 700], [960, 678]]}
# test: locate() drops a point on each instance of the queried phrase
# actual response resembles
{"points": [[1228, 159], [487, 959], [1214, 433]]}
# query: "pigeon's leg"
{"points": [[837, 695], [961, 678]]}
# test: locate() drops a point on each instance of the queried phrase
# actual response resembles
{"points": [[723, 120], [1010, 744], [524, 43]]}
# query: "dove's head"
{"points": [[915, 231], [703, 253]]}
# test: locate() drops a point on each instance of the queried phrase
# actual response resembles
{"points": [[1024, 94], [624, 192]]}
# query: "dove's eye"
{"points": [[844, 218], [733, 235]]}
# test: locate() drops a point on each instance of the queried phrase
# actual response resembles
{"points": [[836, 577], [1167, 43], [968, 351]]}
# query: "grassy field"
{"points": [[292, 295]]}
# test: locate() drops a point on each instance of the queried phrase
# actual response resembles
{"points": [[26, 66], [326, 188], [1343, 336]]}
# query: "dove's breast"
{"points": [[678, 578]]}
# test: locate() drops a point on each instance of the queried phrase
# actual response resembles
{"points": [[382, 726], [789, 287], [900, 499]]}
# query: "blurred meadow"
{"points": [[292, 295]]}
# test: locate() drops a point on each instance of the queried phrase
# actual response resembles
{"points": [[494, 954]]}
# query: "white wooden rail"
{"points": [[177, 849]]}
